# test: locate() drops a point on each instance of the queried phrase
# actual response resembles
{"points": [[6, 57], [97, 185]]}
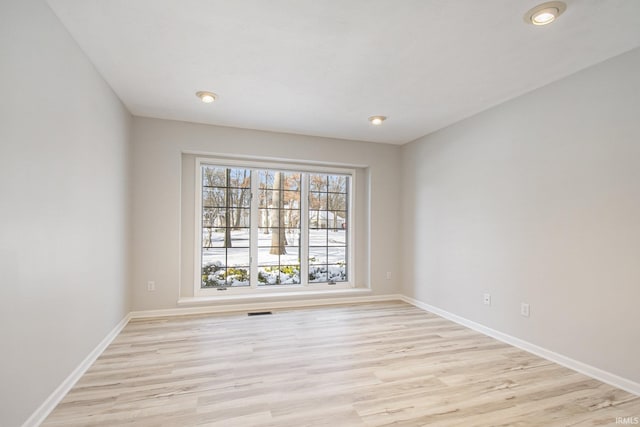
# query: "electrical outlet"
{"points": [[487, 299], [388, 275], [524, 309], [151, 286]]}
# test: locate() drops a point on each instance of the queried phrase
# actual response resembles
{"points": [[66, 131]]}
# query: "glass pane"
{"points": [[317, 182], [289, 274], [265, 198], [239, 217], [317, 237], [317, 255], [291, 181], [213, 267], [265, 257], [317, 201], [317, 273], [337, 273], [274, 218], [290, 200], [214, 197], [337, 255], [240, 178], [237, 256], [337, 183], [240, 238], [213, 217], [238, 276], [318, 219], [265, 179], [291, 257], [337, 238], [337, 202], [214, 176], [212, 238], [293, 236], [215, 256], [336, 219], [213, 275], [240, 198]]}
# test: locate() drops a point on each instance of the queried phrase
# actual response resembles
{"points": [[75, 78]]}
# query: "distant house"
{"points": [[325, 219]]}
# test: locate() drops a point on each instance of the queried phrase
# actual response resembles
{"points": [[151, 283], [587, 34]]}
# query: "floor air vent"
{"points": [[259, 313]]}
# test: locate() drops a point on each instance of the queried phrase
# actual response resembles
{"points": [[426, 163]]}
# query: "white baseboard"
{"points": [[40, 414], [230, 308], [583, 368]]}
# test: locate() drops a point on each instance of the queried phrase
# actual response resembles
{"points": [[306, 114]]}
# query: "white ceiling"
{"points": [[322, 67]]}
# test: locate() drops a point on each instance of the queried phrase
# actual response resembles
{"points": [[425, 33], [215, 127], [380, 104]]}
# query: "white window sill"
{"points": [[274, 296]]}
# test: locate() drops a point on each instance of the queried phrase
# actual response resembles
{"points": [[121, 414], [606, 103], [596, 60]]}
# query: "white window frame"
{"points": [[253, 288]]}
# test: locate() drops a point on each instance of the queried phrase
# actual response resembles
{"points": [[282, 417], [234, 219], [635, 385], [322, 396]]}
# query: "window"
{"points": [[327, 228], [226, 220], [265, 226], [279, 228]]}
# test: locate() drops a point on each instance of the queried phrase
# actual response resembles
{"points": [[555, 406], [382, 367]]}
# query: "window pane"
{"points": [[213, 275], [337, 201], [226, 222], [291, 199], [337, 183], [317, 237], [265, 179], [214, 197], [240, 217], [292, 181], [212, 217], [337, 238], [240, 178], [337, 255], [317, 255], [328, 208], [240, 198], [217, 257], [317, 273], [265, 256], [238, 276], [212, 238], [292, 256], [318, 219], [279, 228], [336, 219], [317, 201], [237, 256], [213, 176], [337, 273], [240, 238], [317, 182], [293, 236]]}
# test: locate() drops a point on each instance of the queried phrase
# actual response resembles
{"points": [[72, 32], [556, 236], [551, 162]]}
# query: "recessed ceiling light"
{"points": [[207, 97], [545, 13], [377, 120]]}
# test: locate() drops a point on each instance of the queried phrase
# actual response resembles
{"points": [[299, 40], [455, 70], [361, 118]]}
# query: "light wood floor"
{"points": [[360, 365]]}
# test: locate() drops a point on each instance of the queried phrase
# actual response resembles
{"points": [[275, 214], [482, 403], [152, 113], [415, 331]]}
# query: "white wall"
{"points": [[537, 200], [63, 207], [159, 213]]}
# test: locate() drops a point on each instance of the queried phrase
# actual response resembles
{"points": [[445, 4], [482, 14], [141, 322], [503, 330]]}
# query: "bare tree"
{"points": [[278, 236], [243, 194], [227, 214]]}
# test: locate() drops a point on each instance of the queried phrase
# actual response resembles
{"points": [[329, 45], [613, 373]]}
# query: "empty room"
{"points": [[319, 213]]}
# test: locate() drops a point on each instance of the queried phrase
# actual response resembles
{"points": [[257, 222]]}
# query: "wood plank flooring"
{"points": [[359, 365]]}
